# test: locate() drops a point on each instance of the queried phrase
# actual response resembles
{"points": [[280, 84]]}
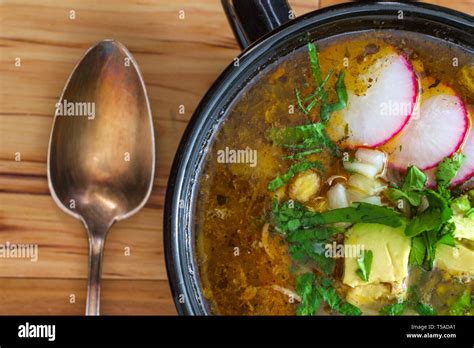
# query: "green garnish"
{"points": [[297, 135], [313, 291], [448, 168], [341, 93], [317, 93], [412, 302], [426, 221], [320, 95], [310, 297], [424, 309], [463, 304], [364, 262], [309, 250], [359, 212], [319, 234], [307, 232], [281, 180], [291, 216], [315, 68], [304, 244], [418, 251], [300, 102], [302, 154], [433, 225], [412, 187], [393, 309]]}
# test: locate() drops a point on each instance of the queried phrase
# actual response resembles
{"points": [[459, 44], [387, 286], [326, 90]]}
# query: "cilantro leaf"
{"points": [[447, 239], [281, 180], [316, 69], [365, 264], [423, 309], [335, 302], [302, 154], [448, 168], [418, 251], [300, 101], [412, 187], [341, 93], [302, 137], [292, 215], [462, 304], [394, 309], [359, 212], [310, 298], [426, 221], [307, 250], [319, 233], [313, 291]]}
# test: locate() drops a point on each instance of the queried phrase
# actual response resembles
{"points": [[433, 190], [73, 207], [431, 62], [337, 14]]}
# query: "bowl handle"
{"points": [[251, 19]]}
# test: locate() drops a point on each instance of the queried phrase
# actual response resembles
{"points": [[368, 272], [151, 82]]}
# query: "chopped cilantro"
{"points": [[448, 168], [462, 304], [310, 297], [365, 264], [394, 309], [281, 180], [313, 291]]}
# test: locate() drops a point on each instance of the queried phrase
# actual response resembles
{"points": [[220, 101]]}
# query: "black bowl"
{"points": [[183, 185]]}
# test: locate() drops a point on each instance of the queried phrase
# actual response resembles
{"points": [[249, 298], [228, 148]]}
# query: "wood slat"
{"points": [[62, 241], [53, 297]]}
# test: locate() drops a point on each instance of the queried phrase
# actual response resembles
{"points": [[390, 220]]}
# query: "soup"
{"points": [[340, 183]]}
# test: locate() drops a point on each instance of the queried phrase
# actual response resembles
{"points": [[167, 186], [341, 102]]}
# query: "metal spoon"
{"points": [[101, 157]]}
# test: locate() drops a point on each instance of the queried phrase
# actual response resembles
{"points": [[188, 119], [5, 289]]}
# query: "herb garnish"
{"points": [[364, 261], [462, 304], [448, 168], [299, 167], [307, 232], [314, 290], [413, 301], [310, 297], [291, 216], [432, 226], [412, 187]]}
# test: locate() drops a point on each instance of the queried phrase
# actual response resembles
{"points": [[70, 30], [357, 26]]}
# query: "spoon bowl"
{"points": [[101, 157]]}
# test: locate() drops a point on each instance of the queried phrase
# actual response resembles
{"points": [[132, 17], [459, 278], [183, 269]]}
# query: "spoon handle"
{"points": [[96, 250]]}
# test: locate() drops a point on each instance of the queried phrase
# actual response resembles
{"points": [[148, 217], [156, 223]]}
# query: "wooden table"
{"points": [[179, 58]]}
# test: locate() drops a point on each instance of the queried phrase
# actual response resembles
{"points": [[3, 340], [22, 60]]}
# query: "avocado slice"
{"points": [[464, 227], [457, 260], [390, 248]]}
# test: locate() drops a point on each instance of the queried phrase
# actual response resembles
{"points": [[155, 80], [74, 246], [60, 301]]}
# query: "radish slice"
{"points": [[467, 167], [382, 112], [435, 133]]}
